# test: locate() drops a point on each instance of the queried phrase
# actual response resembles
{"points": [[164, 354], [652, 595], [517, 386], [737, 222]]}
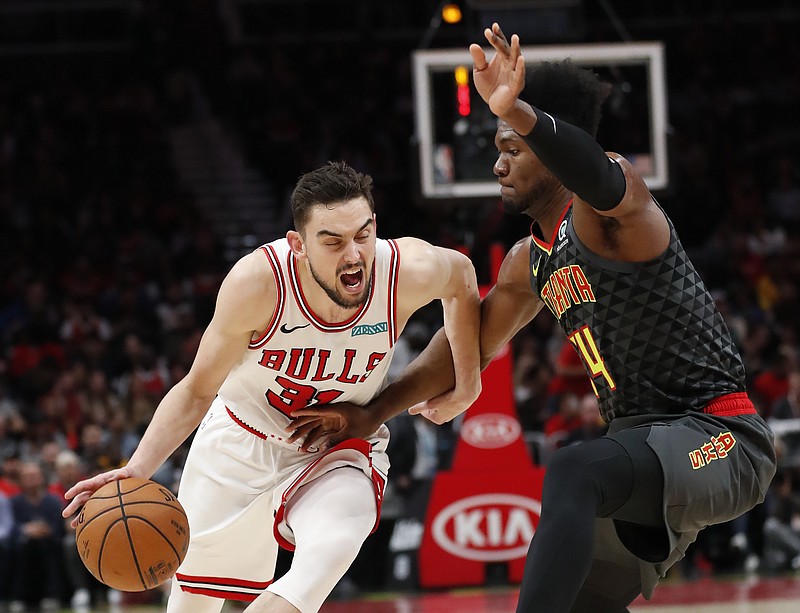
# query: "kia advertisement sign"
{"points": [[488, 527], [479, 518], [490, 430]]}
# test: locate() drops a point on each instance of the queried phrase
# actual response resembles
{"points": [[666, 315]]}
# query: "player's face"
{"points": [[524, 180], [339, 246]]}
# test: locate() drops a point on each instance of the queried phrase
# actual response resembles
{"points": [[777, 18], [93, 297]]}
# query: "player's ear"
{"points": [[296, 243]]}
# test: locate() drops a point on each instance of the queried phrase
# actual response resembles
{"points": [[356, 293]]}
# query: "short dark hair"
{"points": [[566, 91], [329, 184]]}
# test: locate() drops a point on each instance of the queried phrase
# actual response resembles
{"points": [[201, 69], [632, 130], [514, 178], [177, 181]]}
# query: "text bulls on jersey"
{"points": [[312, 364]]}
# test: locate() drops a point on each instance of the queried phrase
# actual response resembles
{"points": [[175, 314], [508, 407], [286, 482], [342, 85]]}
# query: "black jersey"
{"points": [[649, 334]]}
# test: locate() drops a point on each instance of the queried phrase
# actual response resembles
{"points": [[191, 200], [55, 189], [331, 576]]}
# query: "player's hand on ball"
{"points": [[79, 493]]}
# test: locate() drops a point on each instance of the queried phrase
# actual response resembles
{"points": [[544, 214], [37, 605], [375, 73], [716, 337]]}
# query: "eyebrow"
{"points": [[369, 222], [508, 136]]}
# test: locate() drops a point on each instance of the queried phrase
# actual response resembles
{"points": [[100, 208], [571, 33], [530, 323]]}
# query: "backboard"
{"points": [[455, 129]]}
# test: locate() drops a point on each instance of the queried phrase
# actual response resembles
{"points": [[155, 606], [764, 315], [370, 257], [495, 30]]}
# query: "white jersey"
{"points": [[300, 360]]}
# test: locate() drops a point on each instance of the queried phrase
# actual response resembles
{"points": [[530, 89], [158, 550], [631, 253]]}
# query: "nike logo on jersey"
{"points": [[535, 265], [286, 330]]}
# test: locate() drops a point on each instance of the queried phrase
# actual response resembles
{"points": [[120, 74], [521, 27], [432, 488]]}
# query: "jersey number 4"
{"points": [[296, 396], [584, 343]]}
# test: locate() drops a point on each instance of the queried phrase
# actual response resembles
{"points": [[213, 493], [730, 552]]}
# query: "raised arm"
{"points": [[239, 312], [604, 184]]}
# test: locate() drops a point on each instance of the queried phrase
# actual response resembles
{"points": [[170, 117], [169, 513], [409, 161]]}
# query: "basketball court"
{"points": [[739, 594], [743, 595]]}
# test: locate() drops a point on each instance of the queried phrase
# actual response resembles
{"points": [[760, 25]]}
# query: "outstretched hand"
{"points": [[79, 493], [325, 426], [499, 81]]}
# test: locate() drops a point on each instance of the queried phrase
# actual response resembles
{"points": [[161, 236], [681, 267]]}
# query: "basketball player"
{"points": [[305, 320], [685, 447]]}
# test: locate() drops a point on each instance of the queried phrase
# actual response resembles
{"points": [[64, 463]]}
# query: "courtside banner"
{"points": [[476, 519], [486, 508]]}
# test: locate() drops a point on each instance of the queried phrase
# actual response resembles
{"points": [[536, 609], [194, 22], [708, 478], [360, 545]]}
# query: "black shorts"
{"points": [[715, 469]]}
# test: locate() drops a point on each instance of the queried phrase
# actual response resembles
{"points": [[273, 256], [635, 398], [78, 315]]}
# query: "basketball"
{"points": [[132, 534]]}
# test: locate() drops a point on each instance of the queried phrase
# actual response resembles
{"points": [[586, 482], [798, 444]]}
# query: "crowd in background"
{"points": [[108, 271]]}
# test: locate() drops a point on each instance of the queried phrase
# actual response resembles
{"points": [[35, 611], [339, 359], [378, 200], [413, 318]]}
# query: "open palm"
{"points": [[500, 80]]}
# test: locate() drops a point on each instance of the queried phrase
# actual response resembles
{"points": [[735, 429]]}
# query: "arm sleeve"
{"points": [[576, 159]]}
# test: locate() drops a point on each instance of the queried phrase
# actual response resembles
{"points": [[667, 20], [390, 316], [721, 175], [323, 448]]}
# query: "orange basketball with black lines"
{"points": [[132, 534]]}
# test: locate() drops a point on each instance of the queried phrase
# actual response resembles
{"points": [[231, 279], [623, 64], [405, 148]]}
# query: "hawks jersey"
{"points": [[649, 334], [301, 360]]}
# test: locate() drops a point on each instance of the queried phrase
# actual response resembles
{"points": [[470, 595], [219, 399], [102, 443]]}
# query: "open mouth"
{"points": [[353, 282]]}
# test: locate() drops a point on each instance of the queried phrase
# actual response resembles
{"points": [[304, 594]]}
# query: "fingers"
{"points": [[429, 413], [307, 412], [311, 438], [303, 429], [514, 52], [83, 490], [497, 39], [518, 80], [74, 506], [478, 57], [418, 408], [302, 420], [320, 439]]}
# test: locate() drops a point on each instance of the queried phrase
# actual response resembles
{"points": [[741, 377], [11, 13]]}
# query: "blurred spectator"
{"points": [[6, 532], [94, 450], [788, 405], [9, 441], [783, 199], [532, 375], [782, 528], [98, 403], [592, 425], [9, 475], [570, 376], [37, 542], [561, 424], [68, 472], [773, 383]]}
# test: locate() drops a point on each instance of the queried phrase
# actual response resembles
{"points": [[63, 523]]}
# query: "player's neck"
{"points": [[549, 215], [319, 302]]}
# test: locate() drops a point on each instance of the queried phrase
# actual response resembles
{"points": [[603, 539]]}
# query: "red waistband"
{"points": [[247, 426], [730, 404]]}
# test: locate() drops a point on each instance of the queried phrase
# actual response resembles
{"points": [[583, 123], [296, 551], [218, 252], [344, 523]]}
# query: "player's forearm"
{"points": [[573, 155], [462, 322], [428, 376], [178, 414]]}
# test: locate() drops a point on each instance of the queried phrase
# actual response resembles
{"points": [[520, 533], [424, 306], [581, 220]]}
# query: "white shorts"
{"points": [[235, 487]]}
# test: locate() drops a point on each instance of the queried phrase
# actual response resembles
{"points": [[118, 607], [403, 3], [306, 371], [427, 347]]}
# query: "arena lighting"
{"points": [[451, 13], [462, 90]]}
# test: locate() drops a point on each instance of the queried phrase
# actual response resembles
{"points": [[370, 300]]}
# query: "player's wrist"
{"points": [[521, 117]]}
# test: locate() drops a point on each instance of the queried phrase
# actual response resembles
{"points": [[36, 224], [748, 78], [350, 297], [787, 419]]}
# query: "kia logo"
{"points": [[490, 430], [487, 528]]}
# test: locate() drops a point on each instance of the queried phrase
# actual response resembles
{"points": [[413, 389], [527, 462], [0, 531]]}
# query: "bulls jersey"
{"points": [[649, 334], [301, 360]]}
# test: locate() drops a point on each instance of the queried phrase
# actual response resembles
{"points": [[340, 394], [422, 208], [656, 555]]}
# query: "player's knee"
{"points": [[568, 469]]}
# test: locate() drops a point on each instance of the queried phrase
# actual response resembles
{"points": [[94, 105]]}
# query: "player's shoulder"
{"points": [[414, 252], [251, 275], [516, 266]]}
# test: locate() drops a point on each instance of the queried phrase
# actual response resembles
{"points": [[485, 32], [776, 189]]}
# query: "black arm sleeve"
{"points": [[576, 159]]}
